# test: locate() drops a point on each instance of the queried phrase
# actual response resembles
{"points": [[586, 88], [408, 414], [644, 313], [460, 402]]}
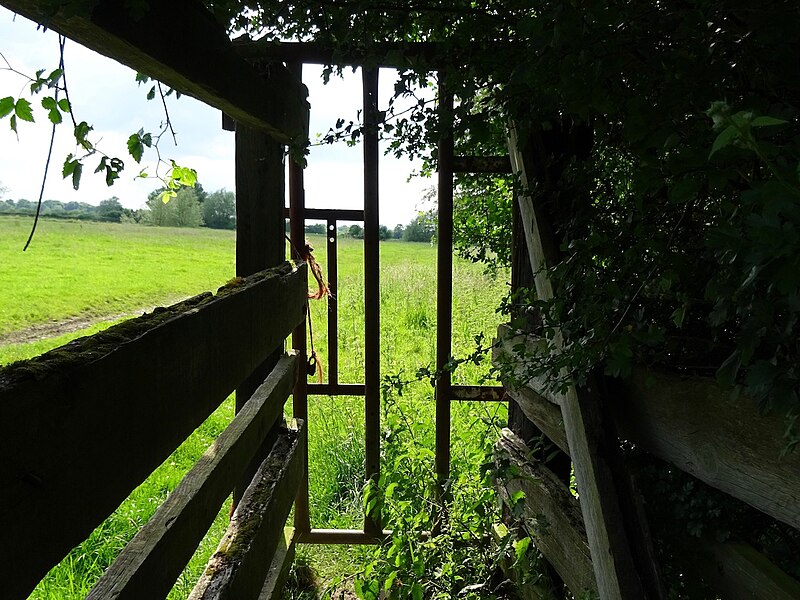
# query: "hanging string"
{"points": [[314, 365]]}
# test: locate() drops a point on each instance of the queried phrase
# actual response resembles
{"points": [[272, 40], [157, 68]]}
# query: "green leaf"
{"points": [[22, 109], [50, 105], [521, 547], [135, 147], [416, 591], [63, 104], [678, 316], [726, 138], [6, 106], [13, 123], [766, 121], [152, 93], [76, 176]]}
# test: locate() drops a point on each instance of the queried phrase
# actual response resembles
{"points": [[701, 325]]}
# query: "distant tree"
{"points": [[3, 190], [187, 209], [203, 195], [25, 207], [384, 233], [53, 208], [397, 232], [318, 228], [181, 211], [219, 209], [110, 210], [356, 231], [422, 228]]}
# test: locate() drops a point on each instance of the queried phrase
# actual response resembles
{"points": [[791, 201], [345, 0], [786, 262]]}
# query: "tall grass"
{"points": [[408, 326], [151, 265]]}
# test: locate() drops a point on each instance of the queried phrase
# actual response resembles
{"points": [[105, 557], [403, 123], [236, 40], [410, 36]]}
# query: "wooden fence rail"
{"points": [[90, 421], [153, 560], [668, 416]]}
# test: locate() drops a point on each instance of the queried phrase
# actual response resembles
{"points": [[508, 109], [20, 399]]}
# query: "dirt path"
{"points": [[42, 331]]}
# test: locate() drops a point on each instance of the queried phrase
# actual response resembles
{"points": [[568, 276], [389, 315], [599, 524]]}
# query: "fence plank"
{"points": [[692, 424], [615, 568], [560, 535], [153, 560], [240, 565], [112, 407]]}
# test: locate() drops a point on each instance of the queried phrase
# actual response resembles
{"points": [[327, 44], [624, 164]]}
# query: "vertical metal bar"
{"points": [[444, 284], [371, 288], [297, 201], [333, 307]]}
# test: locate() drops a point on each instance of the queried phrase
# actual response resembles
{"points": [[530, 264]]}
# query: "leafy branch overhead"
{"points": [[22, 109]]}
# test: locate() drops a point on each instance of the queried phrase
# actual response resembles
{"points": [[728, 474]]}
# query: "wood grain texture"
{"points": [[93, 419], [203, 65], [239, 567], [729, 445], [153, 560], [551, 514]]}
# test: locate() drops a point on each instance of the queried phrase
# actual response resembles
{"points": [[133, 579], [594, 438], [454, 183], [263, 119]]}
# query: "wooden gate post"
{"points": [[259, 242]]}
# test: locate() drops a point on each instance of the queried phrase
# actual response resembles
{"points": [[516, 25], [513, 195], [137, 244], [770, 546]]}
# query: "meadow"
{"points": [[100, 271]]}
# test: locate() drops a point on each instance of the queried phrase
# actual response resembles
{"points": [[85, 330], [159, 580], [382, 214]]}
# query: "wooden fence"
{"points": [[599, 540], [88, 422]]}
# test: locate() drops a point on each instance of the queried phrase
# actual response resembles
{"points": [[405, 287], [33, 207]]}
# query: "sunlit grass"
{"points": [[135, 267]]}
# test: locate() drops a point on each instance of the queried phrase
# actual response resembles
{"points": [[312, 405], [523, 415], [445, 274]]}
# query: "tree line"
{"points": [[192, 207]]}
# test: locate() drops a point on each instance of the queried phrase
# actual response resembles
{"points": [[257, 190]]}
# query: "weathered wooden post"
{"points": [[260, 231]]}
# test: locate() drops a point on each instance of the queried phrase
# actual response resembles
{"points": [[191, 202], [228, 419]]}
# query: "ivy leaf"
{"points": [[152, 93], [726, 138], [63, 104], [22, 109]]}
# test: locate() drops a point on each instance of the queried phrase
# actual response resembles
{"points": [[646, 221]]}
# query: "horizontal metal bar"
{"points": [[339, 389], [329, 214], [482, 164], [478, 393], [342, 536]]}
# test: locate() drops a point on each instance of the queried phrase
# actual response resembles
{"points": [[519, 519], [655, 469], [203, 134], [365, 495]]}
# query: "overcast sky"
{"points": [[105, 94]]}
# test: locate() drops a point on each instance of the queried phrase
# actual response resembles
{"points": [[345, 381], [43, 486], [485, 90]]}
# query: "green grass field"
{"points": [[102, 270]]}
